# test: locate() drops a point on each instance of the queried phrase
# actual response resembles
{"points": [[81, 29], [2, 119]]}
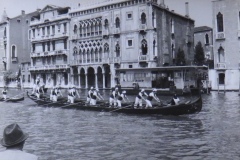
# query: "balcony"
{"points": [[50, 37], [48, 67], [220, 35], [143, 27], [14, 59], [116, 31], [143, 58], [74, 37], [116, 60], [221, 66], [50, 53]]}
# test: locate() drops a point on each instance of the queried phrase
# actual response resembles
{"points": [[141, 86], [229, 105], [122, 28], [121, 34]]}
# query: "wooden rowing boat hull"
{"points": [[192, 107]]}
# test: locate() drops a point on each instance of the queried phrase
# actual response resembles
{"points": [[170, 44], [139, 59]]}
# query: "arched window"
{"points": [[117, 48], [172, 26], [206, 39], [143, 18], [75, 29], [144, 47], [106, 23], [219, 22], [154, 45], [221, 56], [14, 51], [80, 30], [106, 47], [117, 21], [75, 53]]}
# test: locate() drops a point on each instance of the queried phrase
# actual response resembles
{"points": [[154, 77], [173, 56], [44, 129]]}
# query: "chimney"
{"points": [[186, 9], [162, 3], [23, 12]]}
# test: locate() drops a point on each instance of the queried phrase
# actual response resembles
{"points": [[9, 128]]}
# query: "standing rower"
{"points": [[121, 97], [96, 95], [139, 98], [150, 98], [90, 94], [73, 93], [113, 98], [4, 92]]}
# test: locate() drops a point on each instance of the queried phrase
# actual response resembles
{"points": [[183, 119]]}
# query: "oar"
{"points": [[55, 102], [120, 108], [70, 104]]}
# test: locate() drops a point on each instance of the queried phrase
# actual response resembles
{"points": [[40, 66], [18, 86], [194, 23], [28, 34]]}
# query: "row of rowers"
{"points": [[115, 100]]}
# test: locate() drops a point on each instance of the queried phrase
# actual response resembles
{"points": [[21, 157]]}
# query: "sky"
{"points": [[199, 10]]}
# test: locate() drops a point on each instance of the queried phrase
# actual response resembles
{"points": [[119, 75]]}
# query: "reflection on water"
{"points": [[75, 134]]}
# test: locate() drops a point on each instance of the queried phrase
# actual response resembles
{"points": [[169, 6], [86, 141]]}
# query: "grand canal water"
{"points": [[58, 134]]}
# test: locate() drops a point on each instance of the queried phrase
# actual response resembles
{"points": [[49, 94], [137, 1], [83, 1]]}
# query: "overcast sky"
{"points": [[199, 10]]}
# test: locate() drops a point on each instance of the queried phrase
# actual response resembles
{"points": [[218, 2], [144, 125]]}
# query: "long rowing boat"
{"points": [[17, 99], [189, 107]]}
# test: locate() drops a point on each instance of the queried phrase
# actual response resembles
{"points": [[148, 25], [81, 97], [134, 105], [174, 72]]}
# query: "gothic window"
{"points": [[75, 29], [80, 30], [80, 55], [221, 56], [143, 18], [117, 48], [219, 22], [105, 23], [14, 51], [75, 53], [100, 54], [144, 47], [117, 21], [100, 26], [106, 47], [206, 39], [96, 55]]}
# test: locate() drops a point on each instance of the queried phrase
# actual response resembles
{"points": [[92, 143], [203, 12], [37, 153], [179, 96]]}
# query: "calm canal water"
{"points": [[58, 134]]}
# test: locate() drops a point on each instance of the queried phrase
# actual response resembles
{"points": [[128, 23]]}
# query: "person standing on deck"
{"points": [[150, 97], [38, 81], [38, 92], [51, 93], [90, 94], [113, 98], [121, 97], [73, 94], [175, 100], [96, 95], [139, 98], [4, 93]]}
